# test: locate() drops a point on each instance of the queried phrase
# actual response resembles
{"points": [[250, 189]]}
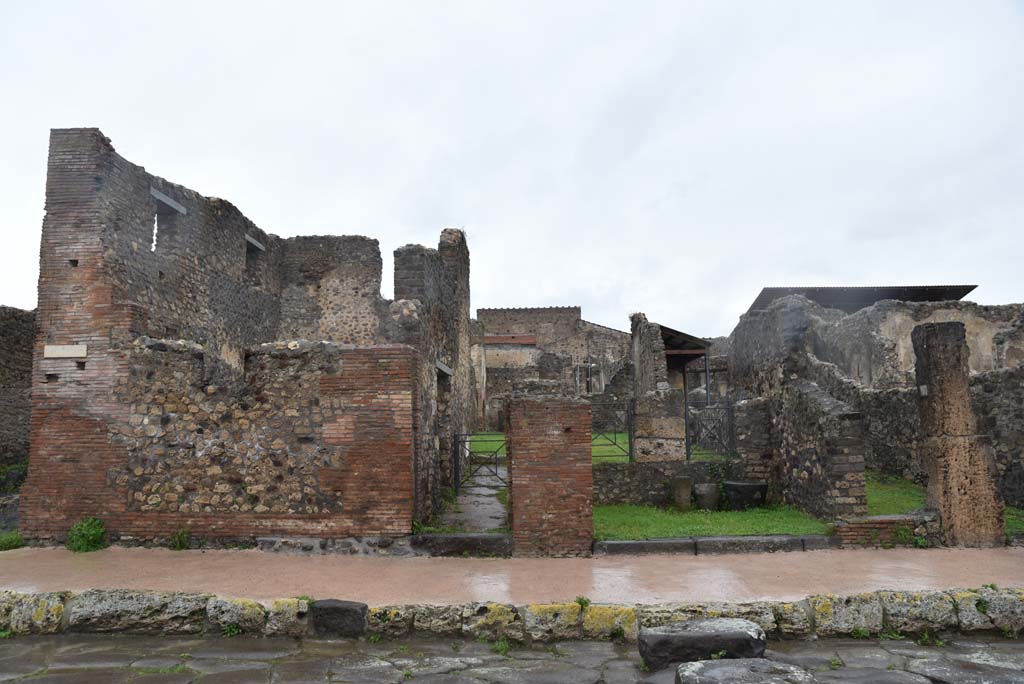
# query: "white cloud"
{"points": [[665, 157]]}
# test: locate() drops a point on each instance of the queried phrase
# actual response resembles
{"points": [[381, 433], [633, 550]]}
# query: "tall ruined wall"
{"points": [[17, 333], [125, 254], [650, 370], [330, 289], [550, 324], [313, 440], [873, 345], [437, 282], [997, 399]]}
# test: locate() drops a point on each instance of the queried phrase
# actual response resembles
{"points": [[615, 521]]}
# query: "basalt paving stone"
{"points": [[621, 672], [245, 649], [869, 656], [943, 671], [83, 677], [163, 678], [666, 676], [218, 665], [236, 677], [869, 675], [301, 671], [546, 673], [815, 658]]}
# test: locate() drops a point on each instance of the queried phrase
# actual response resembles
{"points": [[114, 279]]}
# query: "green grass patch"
{"points": [[1014, 520], [888, 495], [648, 522], [488, 443], [10, 540]]}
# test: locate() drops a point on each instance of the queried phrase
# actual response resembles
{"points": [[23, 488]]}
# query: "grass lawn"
{"points": [[648, 522], [888, 495], [487, 443]]}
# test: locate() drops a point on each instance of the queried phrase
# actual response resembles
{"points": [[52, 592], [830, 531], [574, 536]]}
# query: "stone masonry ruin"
{"points": [[547, 351], [842, 397], [193, 371]]}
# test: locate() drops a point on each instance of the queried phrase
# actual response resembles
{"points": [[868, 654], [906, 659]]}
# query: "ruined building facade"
{"points": [[547, 350], [193, 371], [842, 395]]}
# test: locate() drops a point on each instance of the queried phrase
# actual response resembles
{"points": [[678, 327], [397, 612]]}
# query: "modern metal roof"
{"points": [[676, 340], [850, 299]]}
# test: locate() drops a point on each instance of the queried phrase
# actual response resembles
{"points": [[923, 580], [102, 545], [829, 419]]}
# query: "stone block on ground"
{"points": [[748, 544], [552, 621], [390, 621], [742, 671], [492, 621], [287, 617], [870, 675], [693, 640], [760, 613], [793, 618], [246, 614], [913, 612], [335, 618], [145, 612], [34, 613], [682, 493], [610, 622], [840, 615]]}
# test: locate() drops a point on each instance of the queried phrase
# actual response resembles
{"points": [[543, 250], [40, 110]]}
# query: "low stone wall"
{"points": [[648, 483], [143, 612], [915, 529], [659, 426]]}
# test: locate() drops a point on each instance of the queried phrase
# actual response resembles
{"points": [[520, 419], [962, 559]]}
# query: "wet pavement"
{"points": [[441, 581], [108, 659], [478, 507]]}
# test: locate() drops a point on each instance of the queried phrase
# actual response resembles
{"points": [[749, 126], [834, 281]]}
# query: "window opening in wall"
{"points": [[73, 263], [253, 252], [52, 377], [80, 365]]}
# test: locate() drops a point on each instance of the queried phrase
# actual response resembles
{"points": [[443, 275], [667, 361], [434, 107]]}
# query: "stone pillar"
{"points": [[959, 462], [550, 477]]}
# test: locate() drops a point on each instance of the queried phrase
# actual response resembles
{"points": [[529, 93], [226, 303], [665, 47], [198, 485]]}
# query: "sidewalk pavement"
{"points": [[440, 581]]}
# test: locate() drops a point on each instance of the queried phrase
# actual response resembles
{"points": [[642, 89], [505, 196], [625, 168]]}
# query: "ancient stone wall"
{"points": [[554, 344], [550, 477], [959, 462], [17, 335], [659, 426], [997, 399], [873, 346], [127, 255], [752, 431], [649, 484], [314, 439], [821, 449], [650, 370]]}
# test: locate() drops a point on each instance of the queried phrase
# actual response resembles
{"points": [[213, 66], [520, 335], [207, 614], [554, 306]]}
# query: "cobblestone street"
{"points": [[101, 659]]}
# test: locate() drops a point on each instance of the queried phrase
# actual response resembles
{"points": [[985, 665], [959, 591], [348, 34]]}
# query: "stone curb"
{"points": [[716, 545], [986, 609]]}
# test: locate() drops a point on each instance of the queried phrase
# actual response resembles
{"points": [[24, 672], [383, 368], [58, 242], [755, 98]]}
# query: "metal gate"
{"points": [[481, 453], [710, 430], [611, 434]]}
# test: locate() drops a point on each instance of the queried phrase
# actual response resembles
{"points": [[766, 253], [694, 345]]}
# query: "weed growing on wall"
{"points": [[88, 534]]}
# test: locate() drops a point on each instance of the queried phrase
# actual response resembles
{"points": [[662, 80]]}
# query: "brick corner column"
{"points": [[960, 463], [550, 477]]}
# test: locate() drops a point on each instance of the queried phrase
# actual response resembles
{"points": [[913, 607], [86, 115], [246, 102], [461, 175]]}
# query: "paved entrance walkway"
{"points": [[628, 579], [109, 659], [479, 507]]}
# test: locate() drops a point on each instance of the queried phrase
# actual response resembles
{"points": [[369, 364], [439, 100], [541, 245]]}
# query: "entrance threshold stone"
{"points": [[718, 545], [464, 544]]}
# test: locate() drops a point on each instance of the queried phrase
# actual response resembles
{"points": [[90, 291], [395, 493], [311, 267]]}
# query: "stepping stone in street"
{"points": [[742, 671], [714, 638]]}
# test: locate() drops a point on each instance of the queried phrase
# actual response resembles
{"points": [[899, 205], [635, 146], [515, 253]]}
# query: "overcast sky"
{"points": [[671, 158]]}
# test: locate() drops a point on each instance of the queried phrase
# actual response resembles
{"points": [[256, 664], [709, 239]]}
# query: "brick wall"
{"points": [[316, 440], [890, 530], [104, 288], [550, 477]]}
